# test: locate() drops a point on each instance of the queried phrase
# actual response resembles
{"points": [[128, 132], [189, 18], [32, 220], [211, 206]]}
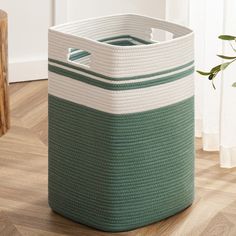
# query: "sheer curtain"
{"points": [[215, 114]]}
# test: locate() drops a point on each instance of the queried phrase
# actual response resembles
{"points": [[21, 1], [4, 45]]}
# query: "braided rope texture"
{"points": [[119, 172], [121, 127]]}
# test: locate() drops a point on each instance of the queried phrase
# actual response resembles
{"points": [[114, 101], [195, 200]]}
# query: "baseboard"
{"points": [[198, 127], [210, 141], [227, 157], [28, 70]]}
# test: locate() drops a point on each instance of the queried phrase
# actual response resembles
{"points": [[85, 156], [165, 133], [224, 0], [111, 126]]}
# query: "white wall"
{"points": [[29, 21], [28, 29], [71, 10], [79, 9], [178, 11]]}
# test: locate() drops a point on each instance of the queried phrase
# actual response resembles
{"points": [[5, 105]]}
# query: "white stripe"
{"points": [[120, 102], [124, 81], [86, 60], [126, 63], [127, 20], [120, 61], [124, 38]]}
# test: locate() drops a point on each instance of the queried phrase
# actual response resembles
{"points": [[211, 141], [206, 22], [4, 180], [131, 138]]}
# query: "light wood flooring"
{"points": [[23, 182]]}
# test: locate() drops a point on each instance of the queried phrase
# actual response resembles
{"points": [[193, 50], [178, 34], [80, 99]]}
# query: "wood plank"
{"points": [[23, 185], [6, 226], [4, 100]]}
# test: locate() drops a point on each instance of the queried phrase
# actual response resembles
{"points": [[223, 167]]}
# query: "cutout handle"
{"points": [[79, 57]]}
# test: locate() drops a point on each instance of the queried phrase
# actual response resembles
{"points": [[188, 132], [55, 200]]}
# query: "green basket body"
{"points": [[121, 141]]}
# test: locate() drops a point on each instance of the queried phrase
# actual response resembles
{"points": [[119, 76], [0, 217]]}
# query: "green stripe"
{"points": [[124, 40], [125, 37], [123, 78], [119, 172], [127, 86], [78, 55], [123, 43], [121, 37]]}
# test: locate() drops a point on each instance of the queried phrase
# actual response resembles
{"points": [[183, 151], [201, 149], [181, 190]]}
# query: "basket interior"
{"points": [[129, 31], [81, 56]]}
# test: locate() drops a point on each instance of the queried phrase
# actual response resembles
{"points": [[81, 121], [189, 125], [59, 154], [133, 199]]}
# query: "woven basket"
{"points": [[121, 121]]}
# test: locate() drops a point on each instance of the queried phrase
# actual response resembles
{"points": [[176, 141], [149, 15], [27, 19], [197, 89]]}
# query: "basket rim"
{"points": [[189, 34]]}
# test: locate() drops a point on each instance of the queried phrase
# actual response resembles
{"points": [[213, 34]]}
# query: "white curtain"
{"points": [[215, 113]]}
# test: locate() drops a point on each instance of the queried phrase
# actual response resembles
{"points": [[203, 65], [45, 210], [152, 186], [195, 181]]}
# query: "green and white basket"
{"points": [[121, 121]]}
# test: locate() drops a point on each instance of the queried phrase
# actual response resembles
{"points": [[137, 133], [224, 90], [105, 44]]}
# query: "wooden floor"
{"points": [[23, 182]]}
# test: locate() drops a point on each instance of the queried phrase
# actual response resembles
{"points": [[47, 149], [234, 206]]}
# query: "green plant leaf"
{"points": [[212, 76], [216, 69], [226, 57], [231, 45], [227, 37], [203, 73], [224, 65]]}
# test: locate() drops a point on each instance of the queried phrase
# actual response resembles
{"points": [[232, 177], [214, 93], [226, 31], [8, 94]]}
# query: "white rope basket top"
{"points": [[122, 61]]}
